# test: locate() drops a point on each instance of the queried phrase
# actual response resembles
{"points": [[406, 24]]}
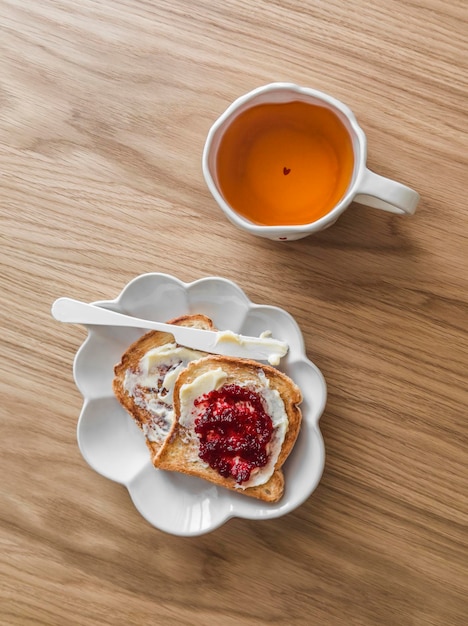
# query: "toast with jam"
{"points": [[144, 379], [236, 421]]}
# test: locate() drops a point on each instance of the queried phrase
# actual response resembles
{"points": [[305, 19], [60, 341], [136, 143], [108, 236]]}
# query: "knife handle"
{"points": [[76, 312]]}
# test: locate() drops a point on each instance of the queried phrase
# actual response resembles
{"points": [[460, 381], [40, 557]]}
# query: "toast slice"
{"points": [[220, 432], [145, 377]]}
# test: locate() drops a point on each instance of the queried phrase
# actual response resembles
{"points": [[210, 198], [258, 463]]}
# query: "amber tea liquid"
{"points": [[285, 163]]}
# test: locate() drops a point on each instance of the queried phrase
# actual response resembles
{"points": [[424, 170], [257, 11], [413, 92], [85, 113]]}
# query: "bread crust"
{"points": [[180, 449], [130, 360]]}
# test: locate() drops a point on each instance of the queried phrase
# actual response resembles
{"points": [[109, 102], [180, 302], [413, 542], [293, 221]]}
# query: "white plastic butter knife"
{"points": [[221, 342]]}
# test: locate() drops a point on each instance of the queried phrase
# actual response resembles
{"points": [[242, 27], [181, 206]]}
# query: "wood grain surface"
{"points": [[104, 109]]}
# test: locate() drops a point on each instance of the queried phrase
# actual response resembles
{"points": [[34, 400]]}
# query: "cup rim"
{"points": [[287, 229]]}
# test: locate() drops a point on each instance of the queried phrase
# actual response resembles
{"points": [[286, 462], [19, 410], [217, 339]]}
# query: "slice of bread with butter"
{"points": [[145, 378], [236, 421]]}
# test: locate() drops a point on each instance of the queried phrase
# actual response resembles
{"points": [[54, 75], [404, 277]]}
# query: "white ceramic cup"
{"points": [[364, 187]]}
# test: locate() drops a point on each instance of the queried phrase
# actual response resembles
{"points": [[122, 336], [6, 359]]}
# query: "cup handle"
{"points": [[386, 194]]}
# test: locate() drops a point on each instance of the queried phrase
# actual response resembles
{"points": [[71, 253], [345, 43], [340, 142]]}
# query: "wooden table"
{"points": [[104, 109]]}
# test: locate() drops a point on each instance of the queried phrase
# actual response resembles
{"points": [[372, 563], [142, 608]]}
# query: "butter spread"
{"points": [[151, 385], [273, 403], [206, 382]]}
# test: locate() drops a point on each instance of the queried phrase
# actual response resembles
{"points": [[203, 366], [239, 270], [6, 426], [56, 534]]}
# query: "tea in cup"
{"points": [[285, 161]]}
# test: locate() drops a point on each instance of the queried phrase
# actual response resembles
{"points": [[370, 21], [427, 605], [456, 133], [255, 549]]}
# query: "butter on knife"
{"points": [[276, 349]]}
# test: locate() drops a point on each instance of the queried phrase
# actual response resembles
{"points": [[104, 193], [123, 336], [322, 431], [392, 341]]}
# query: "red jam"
{"points": [[233, 430]]}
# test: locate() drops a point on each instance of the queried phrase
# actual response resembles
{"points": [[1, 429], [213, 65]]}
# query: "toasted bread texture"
{"points": [[180, 451], [138, 400]]}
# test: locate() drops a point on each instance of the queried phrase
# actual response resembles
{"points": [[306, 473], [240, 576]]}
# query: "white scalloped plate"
{"points": [[113, 446]]}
